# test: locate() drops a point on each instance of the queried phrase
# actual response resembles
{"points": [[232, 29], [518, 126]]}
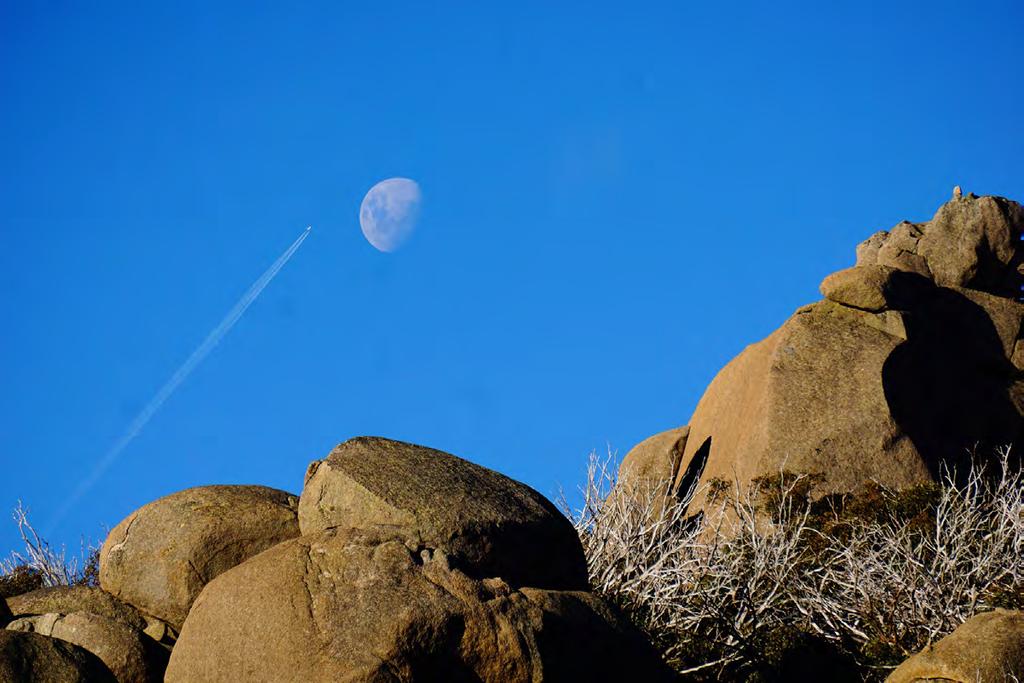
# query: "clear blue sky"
{"points": [[617, 200]]}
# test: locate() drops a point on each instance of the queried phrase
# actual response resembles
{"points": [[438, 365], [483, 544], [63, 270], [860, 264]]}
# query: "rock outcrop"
{"points": [[128, 653], [67, 599], [161, 556], [971, 242], [347, 605], [413, 565], [32, 658], [655, 461], [987, 647], [914, 357], [484, 522]]}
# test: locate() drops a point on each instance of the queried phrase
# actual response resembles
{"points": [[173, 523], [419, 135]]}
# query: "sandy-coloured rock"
{"points": [[161, 556], [33, 658], [810, 398], [355, 606], [654, 461], [971, 242], [988, 647], [893, 375], [67, 599], [896, 248], [130, 655], [487, 524], [864, 287], [874, 288]]}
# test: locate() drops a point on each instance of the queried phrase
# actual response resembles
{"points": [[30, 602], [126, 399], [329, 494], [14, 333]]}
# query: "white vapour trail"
{"points": [[179, 376]]}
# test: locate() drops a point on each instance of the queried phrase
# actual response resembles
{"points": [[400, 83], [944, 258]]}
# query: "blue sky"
{"points": [[617, 199]]}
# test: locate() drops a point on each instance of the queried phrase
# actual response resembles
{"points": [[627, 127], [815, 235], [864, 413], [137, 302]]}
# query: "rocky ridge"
{"points": [[913, 359]]}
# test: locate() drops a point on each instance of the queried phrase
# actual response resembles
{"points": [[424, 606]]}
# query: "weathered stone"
{"points": [[893, 376], [1005, 314], [654, 462], [876, 288], [895, 249], [973, 242], [161, 556], [486, 523], [355, 606], [841, 392], [810, 397], [67, 599], [900, 250], [129, 654], [33, 658], [864, 287], [987, 647], [160, 631], [867, 251]]}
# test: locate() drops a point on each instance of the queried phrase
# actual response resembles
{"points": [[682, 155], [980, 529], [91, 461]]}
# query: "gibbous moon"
{"points": [[389, 212]]}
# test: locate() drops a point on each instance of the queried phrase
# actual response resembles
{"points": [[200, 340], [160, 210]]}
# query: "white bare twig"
{"points": [[55, 567], [715, 589]]}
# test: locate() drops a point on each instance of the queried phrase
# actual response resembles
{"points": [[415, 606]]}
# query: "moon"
{"points": [[389, 213]]}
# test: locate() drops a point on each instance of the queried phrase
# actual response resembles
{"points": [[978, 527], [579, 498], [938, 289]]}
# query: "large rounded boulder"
{"points": [[357, 605], [34, 658], [159, 558], [986, 647], [487, 524]]}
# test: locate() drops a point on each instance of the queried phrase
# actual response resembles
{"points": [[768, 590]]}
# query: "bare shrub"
{"points": [[869, 577], [43, 565]]}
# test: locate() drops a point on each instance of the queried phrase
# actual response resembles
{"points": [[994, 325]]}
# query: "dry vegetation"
{"points": [[42, 565], [783, 584]]}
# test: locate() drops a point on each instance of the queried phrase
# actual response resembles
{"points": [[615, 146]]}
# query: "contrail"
{"points": [[179, 376]]}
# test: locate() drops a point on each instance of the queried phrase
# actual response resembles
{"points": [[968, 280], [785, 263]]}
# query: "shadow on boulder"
{"points": [[949, 385]]}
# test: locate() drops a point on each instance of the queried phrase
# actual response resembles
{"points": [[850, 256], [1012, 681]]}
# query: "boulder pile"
{"points": [[913, 359], [402, 563], [396, 563]]}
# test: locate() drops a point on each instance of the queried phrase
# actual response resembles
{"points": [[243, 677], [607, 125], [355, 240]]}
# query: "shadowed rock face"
{"points": [[33, 658], [914, 358], [486, 523], [5, 614], [130, 655], [950, 387]]}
